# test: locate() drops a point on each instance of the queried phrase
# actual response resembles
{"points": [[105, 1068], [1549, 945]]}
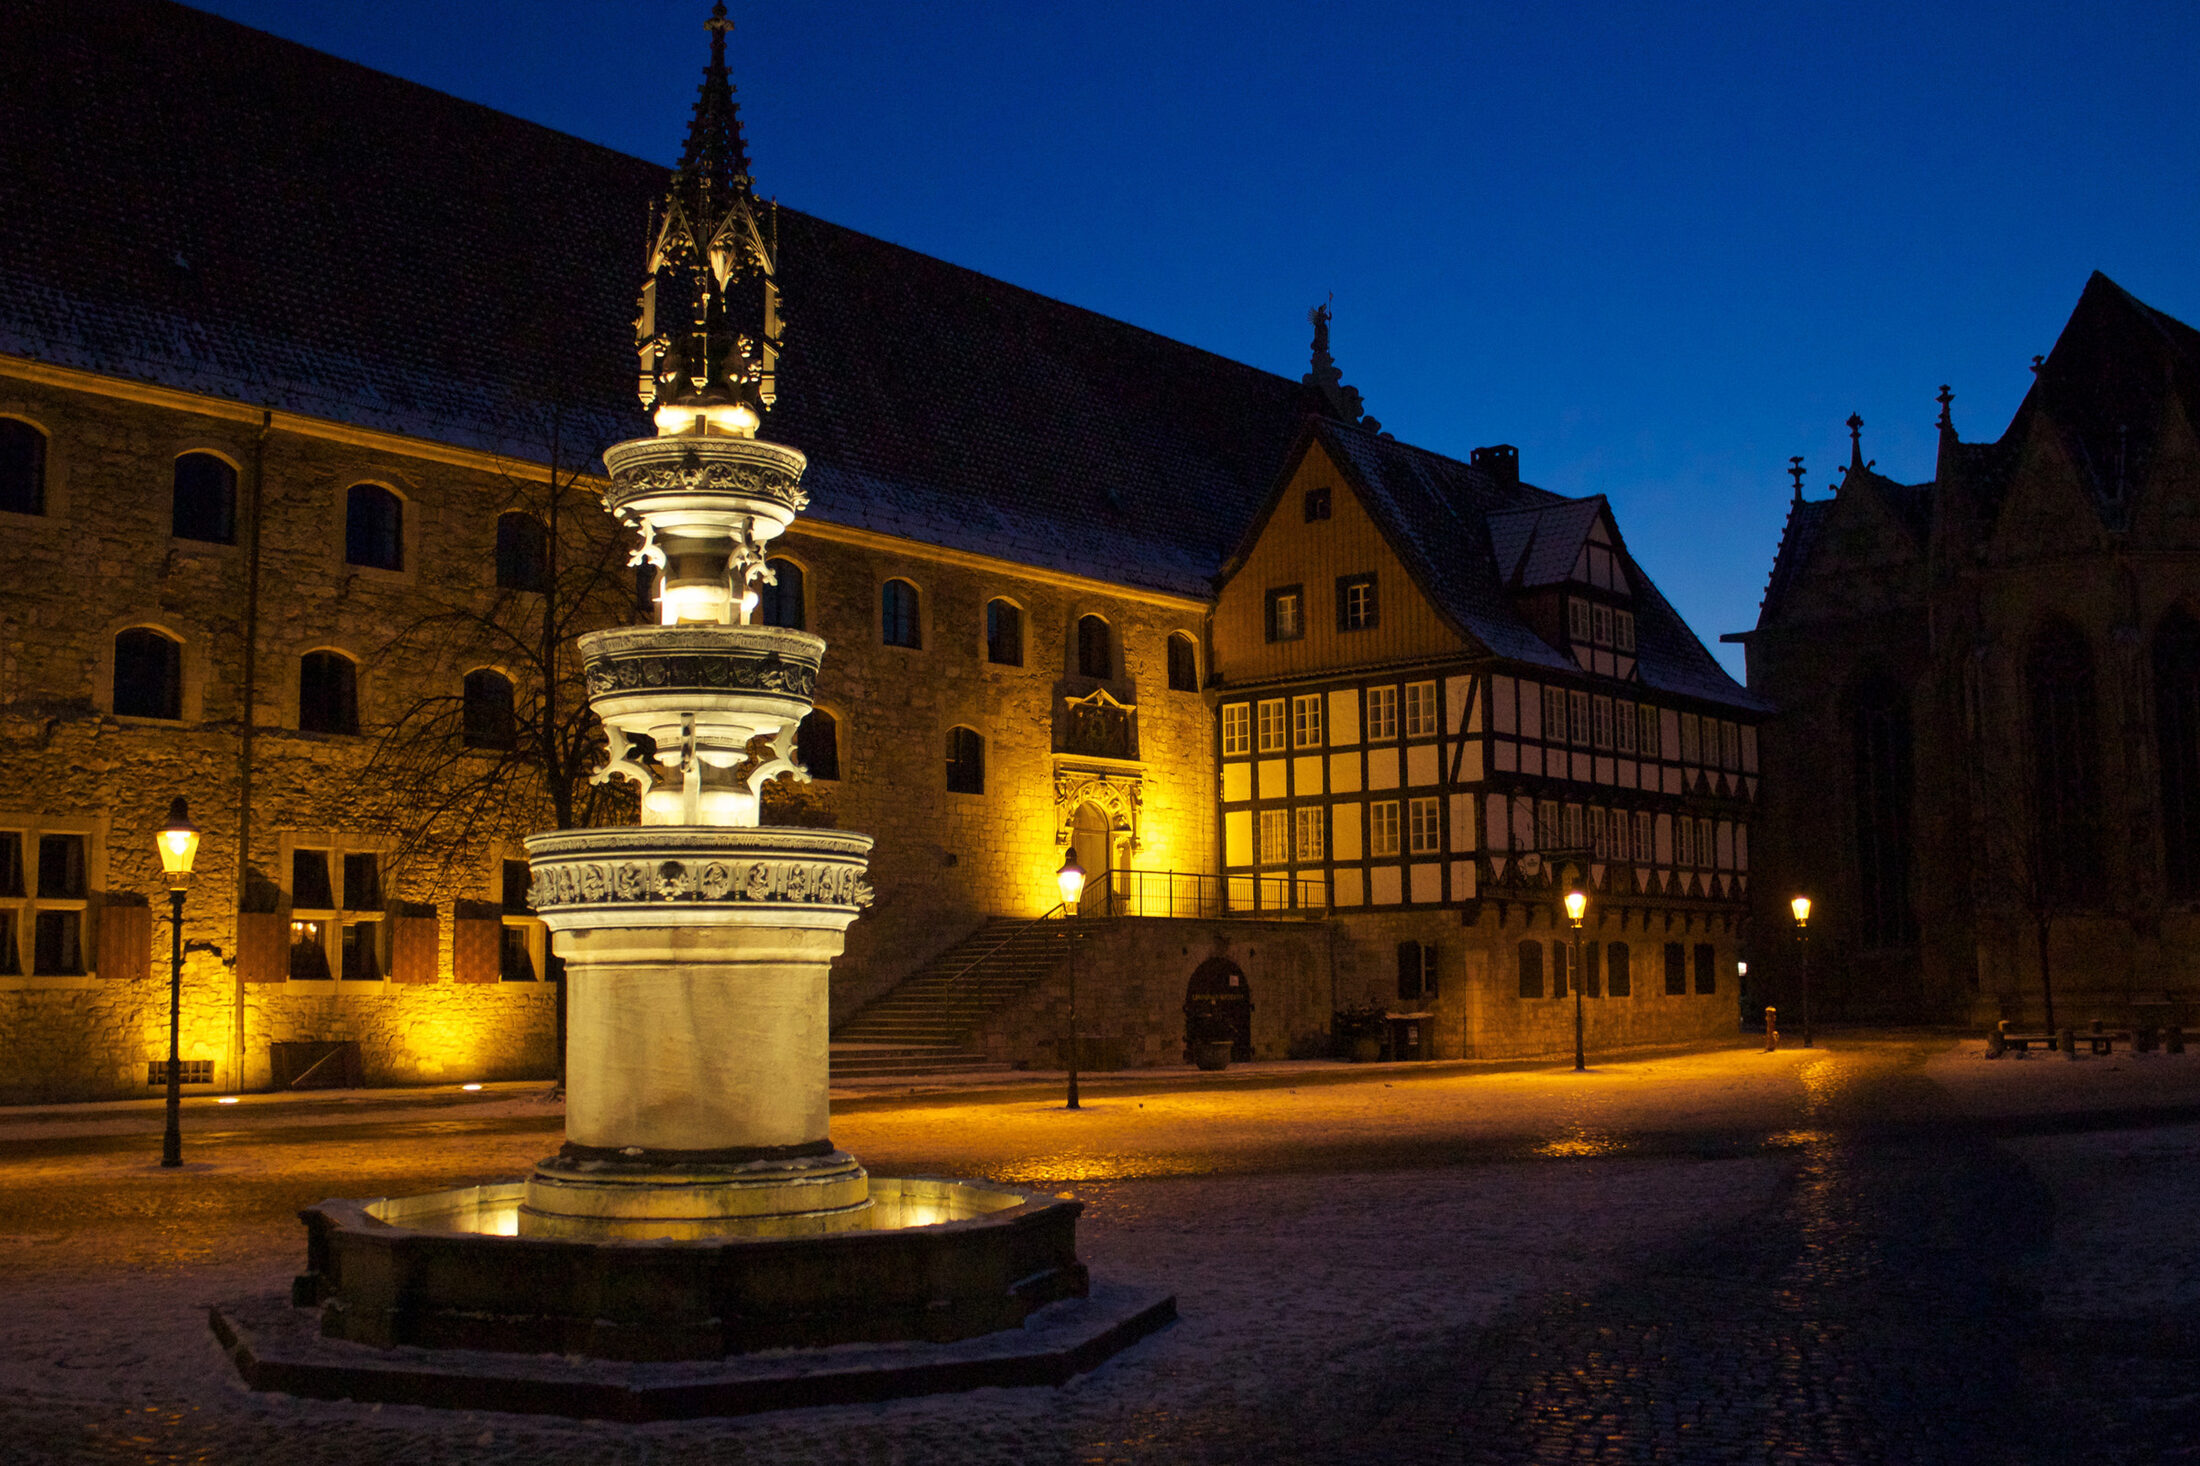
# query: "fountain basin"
{"points": [[930, 1260]]}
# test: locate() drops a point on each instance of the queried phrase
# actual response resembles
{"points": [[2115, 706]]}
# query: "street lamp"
{"points": [[1577, 901], [1071, 881], [178, 843], [1801, 907]]}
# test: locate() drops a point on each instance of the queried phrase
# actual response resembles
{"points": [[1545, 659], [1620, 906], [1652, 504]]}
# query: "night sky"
{"points": [[1659, 247]]}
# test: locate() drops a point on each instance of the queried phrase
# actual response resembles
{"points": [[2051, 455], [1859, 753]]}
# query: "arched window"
{"points": [[817, 744], [1531, 969], [487, 720], [1879, 727], [204, 504], [897, 604], [1183, 663], [2065, 766], [523, 552], [374, 525], [965, 761], [1094, 650], [2177, 736], [148, 674], [328, 693], [1004, 633], [779, 601], [22, 467]]}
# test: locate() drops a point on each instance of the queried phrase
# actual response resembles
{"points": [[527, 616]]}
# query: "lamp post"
{"points": [[1577, 901], [178, 843], [1071, 881], [1801, 907]]}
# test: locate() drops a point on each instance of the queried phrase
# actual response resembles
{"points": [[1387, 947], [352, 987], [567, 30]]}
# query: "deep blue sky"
{"points": [[1659, 247]]}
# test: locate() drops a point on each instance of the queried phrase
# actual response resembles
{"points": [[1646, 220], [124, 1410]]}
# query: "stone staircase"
{"points": [[924, 1025]]}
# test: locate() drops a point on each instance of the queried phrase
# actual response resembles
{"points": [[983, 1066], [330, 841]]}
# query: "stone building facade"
{"points": [[285, 471], [1991, 674]]}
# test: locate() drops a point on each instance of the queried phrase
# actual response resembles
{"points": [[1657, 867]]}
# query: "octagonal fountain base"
{"points": [[439, 1300]]}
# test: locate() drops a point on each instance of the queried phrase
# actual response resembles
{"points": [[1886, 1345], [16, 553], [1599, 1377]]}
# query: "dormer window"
{"points": [[1623, 631], [1577, 618], [1600, 625], [1317, 504]]}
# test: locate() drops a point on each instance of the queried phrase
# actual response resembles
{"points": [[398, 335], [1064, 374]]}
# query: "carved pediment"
{"points": [[1097, 726]]}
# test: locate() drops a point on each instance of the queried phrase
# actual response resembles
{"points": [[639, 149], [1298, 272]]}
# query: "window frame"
{"points": [[1309, 835], [521, 918], [803, 754], [397, 535], [1277, 597], [1385, 829], [1306, 720], [40, 469], [1380, 724], [228, 504], [347, 659], [19, 954], [1180, 654], [889, 620], [1095, 647], [173, 675], [1280, 723], [775, 594], [333, 921], [466, 714], [965, 760], [1272, 846], [1358, 608], [1237, 729], [522, 564], [1423, 716], [1003, 650], [1425, 825], [1316, 505]]}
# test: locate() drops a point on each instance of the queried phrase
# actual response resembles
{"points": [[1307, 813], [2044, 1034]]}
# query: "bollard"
{"points": [[2068, 1040], [1997, 1040], [2174, 1041], [1772, 1029]]}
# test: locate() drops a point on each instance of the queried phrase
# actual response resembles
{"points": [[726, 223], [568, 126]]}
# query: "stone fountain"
{"points": [[698, 1209]]}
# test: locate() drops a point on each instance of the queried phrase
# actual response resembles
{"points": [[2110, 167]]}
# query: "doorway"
{"points": [[1218, 1004], [1092, 837]]}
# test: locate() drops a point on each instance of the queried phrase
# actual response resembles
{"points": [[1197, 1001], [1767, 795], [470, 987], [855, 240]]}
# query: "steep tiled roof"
{"points": [[190, 202], [1442, 516], [1542, 546]]}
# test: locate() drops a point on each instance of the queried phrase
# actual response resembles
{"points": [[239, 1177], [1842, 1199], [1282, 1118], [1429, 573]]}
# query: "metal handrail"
{"points": [[1181, 893]]}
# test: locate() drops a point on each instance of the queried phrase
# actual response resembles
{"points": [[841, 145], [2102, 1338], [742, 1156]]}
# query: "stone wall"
{"points": [[1133, 973], [102, 559]]}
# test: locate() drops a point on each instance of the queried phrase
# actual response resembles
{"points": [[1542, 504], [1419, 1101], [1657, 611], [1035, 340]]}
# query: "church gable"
{"points": [[2045, 508], [1862, 561]]}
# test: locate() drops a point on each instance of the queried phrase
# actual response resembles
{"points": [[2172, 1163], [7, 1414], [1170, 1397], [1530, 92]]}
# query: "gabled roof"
{"points": [[1439, 516], [2103, 388], [189, 202], [1798, 538]]}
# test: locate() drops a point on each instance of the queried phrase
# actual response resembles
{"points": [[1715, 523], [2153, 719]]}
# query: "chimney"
{"points": [[1501, 461]]}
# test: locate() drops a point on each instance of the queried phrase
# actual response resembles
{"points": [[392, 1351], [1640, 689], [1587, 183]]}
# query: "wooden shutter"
{"points": [[125, 942], [263, 947]]}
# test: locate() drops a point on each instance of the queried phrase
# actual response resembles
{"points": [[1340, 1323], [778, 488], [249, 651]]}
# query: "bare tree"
{"points": [[450, 770]]}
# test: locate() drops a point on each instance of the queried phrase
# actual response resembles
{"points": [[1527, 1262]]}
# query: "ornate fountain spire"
{"points": [[708, 331]]}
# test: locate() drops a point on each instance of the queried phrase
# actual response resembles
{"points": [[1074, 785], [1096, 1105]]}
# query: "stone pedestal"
{"points": [[697, 962]]}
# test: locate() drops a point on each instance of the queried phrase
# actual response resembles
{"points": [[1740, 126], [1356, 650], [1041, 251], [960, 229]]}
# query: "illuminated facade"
{"points": [[339, 381]]}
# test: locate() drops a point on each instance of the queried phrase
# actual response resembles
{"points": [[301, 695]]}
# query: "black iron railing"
{"points": [[1181, 893]]}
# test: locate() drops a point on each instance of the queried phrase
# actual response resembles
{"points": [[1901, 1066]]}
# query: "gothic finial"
{"points": [[1795, 471], [2037, 363], [1947, 423], [1856, 443], [709, 328]]}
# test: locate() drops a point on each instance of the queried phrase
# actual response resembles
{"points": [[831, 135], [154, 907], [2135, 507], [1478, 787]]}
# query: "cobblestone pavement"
{"points": [[1602, 1272]]}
